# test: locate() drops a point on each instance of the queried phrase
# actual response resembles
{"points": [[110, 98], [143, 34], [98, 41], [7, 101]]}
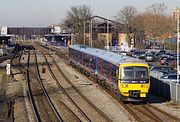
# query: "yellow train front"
{"points": [[133, 81], [126, 77]]}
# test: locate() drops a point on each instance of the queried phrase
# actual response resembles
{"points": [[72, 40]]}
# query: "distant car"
{"points": [[161, 68], [170, 61], [169, 77], [163, 59], [159, 54], [167, 72], [149, 57], [130, 52], [122, 52], [139, 54]]}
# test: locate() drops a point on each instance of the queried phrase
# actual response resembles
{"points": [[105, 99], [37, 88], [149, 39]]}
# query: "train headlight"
{"points": [[124, 85], [144, 86]]}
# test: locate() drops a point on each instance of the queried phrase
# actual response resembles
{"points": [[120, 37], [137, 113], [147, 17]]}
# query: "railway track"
{"points": [[82, 103], [25, 72], [144, 112], [46, 107], [148, 112], [37, 100], [66, 112]]}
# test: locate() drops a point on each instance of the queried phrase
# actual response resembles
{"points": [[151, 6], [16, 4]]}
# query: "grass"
{"points": [[2, 73]]}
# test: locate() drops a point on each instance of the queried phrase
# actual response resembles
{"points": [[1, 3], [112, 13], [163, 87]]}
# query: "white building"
{"points": [[3, 30], [56, 29]]}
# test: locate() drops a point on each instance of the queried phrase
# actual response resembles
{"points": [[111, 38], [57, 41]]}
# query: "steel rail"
{"points": [[67, 79], [151, 115], [45, 92], [163, 112], [59, 85], [26, 75], [78, 91]]}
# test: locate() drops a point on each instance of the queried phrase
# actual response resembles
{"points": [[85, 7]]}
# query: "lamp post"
{"points": [[84, 32], [91, 31], [178, 40], [107, 35]]}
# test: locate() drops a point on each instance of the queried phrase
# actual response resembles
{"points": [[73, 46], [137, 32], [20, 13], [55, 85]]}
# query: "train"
{"points": [[125, 76]]}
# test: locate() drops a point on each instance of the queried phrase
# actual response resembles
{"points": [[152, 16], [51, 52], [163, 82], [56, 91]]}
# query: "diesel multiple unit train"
{"points": [[127, 77]]}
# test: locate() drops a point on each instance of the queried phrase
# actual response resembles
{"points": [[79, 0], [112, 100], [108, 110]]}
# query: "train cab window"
{"points": [[134, 72], [141, 72], [127, 72]]}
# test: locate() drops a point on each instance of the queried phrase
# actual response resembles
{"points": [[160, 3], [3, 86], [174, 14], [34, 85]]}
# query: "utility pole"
{"points": [[91, 31], [84, 32], [107, 35], [178, 40]]}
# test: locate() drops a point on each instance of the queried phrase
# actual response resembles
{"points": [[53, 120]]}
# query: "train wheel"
{"points": [[88, 74]]}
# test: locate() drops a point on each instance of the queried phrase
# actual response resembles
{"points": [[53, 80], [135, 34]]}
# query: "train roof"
{"points": [[107, 55]]}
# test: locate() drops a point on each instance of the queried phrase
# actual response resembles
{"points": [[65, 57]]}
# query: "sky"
{"points": [[48, 12]]}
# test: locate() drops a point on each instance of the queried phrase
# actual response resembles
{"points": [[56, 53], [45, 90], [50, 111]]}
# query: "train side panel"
{"points": [[106, 72]]}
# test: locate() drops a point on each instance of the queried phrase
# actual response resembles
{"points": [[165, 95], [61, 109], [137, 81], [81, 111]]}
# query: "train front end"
{"points": [[134, 81]]}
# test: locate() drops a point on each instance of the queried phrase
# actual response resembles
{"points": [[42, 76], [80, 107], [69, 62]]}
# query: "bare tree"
{"points": [[74, 19], [154, 22], [157, 9], [125, 16], [156, 15]]}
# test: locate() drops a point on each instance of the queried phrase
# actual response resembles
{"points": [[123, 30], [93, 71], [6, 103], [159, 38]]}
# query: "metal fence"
{"points": [[166, 89]]}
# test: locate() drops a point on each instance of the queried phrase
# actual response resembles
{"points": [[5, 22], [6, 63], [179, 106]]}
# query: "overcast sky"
{"points": [[47, 12]]}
